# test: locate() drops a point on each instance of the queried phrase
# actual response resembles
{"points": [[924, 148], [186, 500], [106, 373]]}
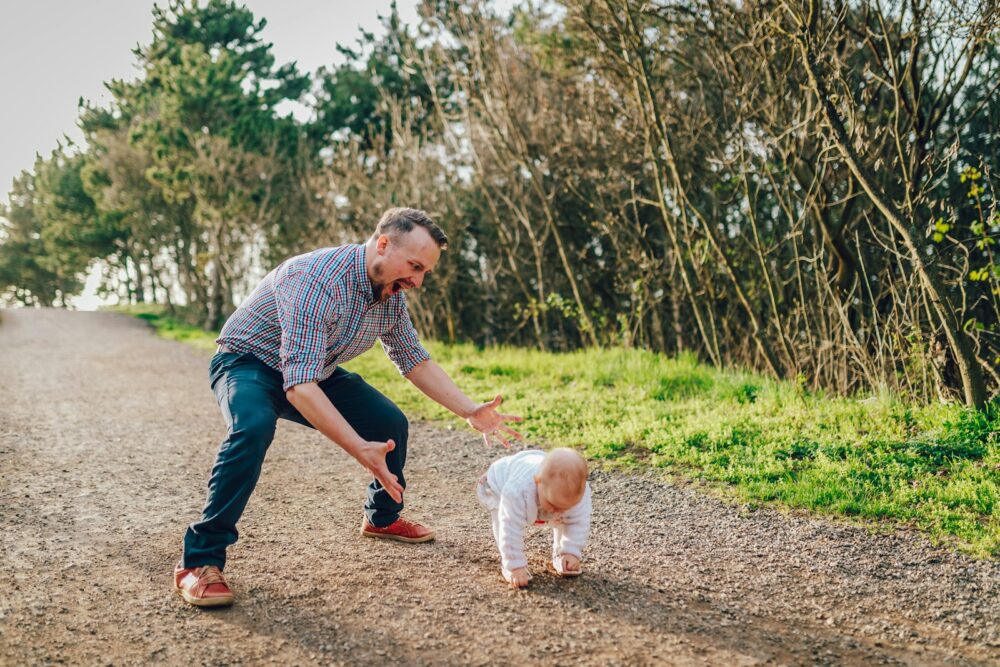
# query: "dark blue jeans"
{"points": [[251, 398]]}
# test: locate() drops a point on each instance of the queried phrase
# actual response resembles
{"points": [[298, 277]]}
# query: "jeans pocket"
{"points": [[215, 367], [223, 362]]}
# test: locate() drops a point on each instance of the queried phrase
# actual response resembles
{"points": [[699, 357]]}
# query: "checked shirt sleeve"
{"points": [[402, 345], [305, 308]]}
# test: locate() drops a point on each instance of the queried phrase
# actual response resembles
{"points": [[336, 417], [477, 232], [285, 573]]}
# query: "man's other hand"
{"points": [[371, 455]]}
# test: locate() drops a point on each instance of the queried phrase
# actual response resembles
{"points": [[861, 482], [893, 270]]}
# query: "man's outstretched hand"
{"points": [[488, 421], [372, 456]]}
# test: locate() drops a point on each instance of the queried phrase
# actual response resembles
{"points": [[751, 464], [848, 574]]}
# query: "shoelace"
{"points": [[210, 574]]}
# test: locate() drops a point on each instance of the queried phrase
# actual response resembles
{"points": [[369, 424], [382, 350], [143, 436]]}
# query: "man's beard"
{"points": [[380, 290]]}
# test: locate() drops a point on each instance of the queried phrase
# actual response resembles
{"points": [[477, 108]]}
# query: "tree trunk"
{"points": [[973, 383]]}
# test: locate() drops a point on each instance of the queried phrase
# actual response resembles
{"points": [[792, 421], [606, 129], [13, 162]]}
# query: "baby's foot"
{"points": [[567, 566]]}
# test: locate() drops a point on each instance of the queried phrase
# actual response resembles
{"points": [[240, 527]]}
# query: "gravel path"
{"points": [[107, 435]]}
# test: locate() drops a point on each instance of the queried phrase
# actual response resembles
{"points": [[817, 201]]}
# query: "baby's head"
{"points": [[561, 480]]}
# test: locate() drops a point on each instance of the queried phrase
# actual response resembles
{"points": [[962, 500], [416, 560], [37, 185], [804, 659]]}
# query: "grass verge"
{"points": [[877, 460]]}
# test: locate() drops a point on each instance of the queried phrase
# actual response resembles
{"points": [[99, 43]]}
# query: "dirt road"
{"points": [[107, 435]]}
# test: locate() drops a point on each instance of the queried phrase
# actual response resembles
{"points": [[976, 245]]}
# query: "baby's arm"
{"points": [[512, 519], [570, 537]]}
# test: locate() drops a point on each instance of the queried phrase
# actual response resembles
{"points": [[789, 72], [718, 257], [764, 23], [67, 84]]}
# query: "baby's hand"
{"points": [[519, 578], [568, 565]]}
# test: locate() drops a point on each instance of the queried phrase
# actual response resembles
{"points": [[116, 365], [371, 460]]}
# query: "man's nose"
{"points": [[417, 280]]}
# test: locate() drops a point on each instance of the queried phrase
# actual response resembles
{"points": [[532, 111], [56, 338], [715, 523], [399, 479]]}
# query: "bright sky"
{"points": [[52, 52]]}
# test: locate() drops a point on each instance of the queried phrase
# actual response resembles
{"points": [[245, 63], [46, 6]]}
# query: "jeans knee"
{"points": [[396, 425], [254, 434]]}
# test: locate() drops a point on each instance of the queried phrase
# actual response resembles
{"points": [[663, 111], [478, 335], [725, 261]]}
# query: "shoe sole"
{"points": [[399, 538], [204, 602]]}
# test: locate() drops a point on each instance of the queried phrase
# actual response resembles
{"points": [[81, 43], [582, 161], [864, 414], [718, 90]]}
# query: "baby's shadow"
{"points": [[685, 617]]}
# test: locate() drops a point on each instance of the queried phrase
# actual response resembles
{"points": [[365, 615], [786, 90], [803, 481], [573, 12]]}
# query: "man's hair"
{"points": [[397, 221]]}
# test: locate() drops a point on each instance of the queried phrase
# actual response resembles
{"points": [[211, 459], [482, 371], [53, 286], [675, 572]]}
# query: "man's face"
{"points": [[402, 262]]}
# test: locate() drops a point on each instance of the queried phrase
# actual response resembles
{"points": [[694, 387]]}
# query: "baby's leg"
{"points": [[495, 517], [488, 499]]}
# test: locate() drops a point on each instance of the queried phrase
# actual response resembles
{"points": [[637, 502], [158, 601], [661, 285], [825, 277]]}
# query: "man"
{"points": [[279, 357]]}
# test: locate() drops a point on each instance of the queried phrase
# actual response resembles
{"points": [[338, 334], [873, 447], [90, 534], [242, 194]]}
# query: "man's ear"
{"points": [[382, 243]]}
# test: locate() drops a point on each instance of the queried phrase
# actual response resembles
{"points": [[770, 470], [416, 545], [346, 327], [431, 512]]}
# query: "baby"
{"points": [[533, 487]]}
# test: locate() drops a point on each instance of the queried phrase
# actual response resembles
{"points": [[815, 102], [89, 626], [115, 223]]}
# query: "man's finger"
{"points": [[496, 401], [502, 439], [389, 445], [486, 439], [512, 432], [391, 490], [510, 418], [391, 485]]}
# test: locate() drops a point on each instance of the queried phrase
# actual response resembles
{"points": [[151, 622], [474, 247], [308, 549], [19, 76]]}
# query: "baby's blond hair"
{"points": [[565, 471]]}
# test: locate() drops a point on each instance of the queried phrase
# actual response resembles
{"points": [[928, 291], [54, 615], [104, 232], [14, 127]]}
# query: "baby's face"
{"points": [[555, 500]]}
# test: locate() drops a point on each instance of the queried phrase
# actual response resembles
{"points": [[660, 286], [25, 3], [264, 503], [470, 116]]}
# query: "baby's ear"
{"points": [[537, 479]]}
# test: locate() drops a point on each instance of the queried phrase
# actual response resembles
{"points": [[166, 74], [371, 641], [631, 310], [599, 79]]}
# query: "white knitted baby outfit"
{"points": [[509, 492]]}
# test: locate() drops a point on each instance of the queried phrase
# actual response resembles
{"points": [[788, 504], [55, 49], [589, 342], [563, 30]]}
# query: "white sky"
{"points": [[52, 52]]}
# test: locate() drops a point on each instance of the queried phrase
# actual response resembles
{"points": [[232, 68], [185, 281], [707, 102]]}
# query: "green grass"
{"points": [[173, 328], [879, 461]]}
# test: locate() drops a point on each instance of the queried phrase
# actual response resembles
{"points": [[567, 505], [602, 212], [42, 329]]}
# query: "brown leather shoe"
{"points": [[400, 529], [202, 586]]}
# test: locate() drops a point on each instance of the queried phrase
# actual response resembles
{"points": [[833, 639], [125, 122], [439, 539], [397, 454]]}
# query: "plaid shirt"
{"points": [[317, 310]]}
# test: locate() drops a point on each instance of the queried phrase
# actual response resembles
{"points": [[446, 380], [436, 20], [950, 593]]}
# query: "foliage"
{"points": [[49, 240], [24, 277], [354, 99]]}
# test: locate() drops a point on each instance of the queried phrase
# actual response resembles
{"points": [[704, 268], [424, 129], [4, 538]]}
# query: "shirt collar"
{"points": [[363, 283]]}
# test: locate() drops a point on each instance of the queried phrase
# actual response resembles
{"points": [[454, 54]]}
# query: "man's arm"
{"points": [[313, 404], [432, 380]]}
